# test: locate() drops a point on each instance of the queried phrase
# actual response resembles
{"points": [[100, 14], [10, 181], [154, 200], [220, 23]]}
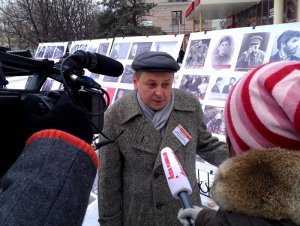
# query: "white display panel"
{"points": [[214, 61]]}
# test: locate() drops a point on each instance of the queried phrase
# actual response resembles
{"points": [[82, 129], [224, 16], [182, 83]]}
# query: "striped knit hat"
{"points": [[263, 109]]}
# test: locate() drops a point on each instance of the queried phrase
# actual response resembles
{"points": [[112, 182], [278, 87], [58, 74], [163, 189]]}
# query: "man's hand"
{"points": [[191, 213]]}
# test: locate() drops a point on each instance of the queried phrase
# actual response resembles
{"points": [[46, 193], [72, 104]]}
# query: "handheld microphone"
{"points": [[178, 182], [94, 62]]}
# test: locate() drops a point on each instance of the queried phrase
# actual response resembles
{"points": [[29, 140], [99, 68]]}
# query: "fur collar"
{"points": [[264, 183]]}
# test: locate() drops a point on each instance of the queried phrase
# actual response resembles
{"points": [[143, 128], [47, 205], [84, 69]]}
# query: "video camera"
{"points": [[82, 90]]}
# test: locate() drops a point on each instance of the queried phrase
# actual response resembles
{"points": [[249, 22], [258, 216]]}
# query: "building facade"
{"points": [[222, 14], [169, 16]]}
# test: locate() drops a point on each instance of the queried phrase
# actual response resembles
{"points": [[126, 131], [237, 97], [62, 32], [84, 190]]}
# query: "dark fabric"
{"points": [[155, 61], [208, 217], [64, 116], [48, 185]]}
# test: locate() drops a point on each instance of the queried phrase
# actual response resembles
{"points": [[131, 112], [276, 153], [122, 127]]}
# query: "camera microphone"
{"points": [[178, 182], [94, 62]]}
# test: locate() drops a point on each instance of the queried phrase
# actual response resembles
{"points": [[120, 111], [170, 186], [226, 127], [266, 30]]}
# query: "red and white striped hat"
{"points": [[263, 109]]}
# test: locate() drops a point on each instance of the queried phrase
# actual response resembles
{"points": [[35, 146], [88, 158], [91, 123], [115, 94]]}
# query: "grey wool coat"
{"points": [[133, 190]]}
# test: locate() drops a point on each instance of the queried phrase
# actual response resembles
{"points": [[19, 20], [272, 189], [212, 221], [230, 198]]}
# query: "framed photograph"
{"points": [[120, 50], [214, 119], [195, 84], [197, 53], [286, 46], [222, 52], [138, 48], [253, 51]]}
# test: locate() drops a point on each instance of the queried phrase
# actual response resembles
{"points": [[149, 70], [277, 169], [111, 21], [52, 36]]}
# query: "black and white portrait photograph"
{"points": [[214, 119], [195, 84], [229, 85], [168, 47], [286, 47], [253, 50], [40, 52], [222, 53], [103, 48], [127, 75], [58, 52], [220, 86], [138, 48], [49, 52], [120, 50], [78, 46], [197, 53]]}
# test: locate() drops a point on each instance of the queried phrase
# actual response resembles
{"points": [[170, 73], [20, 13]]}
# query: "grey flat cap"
{"points": [[155, 61]]}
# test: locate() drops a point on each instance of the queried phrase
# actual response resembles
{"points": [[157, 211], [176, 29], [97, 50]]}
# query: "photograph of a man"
{"points": [[287, 46], [138, 48], [166, 46], [58, 52], [49, 52], [197, 53], [195, 84], [40, 52], [120, 50], [223, 52], [214, 119], [78, 46], [103, 48], [252, 52], [217, 87], [226, 89]]}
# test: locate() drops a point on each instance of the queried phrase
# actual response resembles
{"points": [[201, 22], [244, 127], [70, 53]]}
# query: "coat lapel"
{"points": [[169, 139]]}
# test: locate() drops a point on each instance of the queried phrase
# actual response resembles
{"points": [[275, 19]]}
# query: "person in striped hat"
{"points": [[260, 183]]}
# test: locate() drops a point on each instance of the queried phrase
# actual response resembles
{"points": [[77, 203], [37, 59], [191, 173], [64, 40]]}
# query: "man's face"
{"points": [[154, 88], [254, 47], [224, 48], [292, 45]]}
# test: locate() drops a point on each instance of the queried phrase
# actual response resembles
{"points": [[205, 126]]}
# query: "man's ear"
{"points": [[135, 80]]}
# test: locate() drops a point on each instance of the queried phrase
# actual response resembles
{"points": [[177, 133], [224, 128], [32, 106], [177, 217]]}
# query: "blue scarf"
{"points": [[158, 118]]}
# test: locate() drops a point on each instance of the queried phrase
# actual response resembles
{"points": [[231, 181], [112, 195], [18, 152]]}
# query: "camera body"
{"points": [[83, 90]]}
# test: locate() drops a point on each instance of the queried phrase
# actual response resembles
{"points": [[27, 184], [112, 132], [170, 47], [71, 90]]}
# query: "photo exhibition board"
{"points": [[101, 46], [50, 50], [124, 49], [215, 60]]}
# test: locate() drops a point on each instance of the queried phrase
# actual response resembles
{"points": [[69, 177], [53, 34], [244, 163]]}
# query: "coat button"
{"points": [[159, 205]]}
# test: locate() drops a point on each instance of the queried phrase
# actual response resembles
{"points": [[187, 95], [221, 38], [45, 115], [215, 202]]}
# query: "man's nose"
{"points": [[158, 91]]}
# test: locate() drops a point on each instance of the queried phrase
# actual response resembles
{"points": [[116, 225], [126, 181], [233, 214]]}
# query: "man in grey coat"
{"points": [[132, 187]]}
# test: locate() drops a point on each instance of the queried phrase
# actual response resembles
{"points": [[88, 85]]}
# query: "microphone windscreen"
{"points": [[106, 66], [175, 175]]}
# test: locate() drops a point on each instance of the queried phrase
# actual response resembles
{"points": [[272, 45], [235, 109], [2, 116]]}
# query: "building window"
{"points": [[176, 17]]}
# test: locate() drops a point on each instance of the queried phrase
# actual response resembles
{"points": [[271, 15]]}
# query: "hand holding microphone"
{"points": [[191, 213], [177, 180]]}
